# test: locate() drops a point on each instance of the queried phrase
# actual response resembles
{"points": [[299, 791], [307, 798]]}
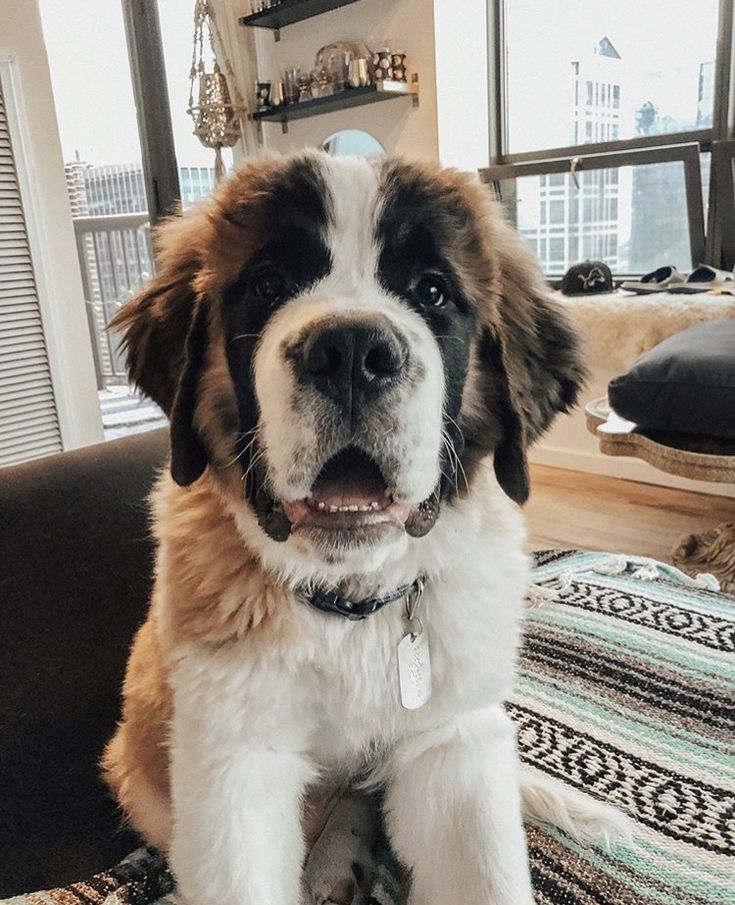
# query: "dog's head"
{"points": [[349, 339]]}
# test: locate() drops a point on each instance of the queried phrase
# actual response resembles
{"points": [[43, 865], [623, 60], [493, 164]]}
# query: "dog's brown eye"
{"points": [[431, 291], [269, 285]]}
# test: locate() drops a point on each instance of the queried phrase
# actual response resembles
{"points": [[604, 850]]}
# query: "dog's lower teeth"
{"points": [[321, 506]]}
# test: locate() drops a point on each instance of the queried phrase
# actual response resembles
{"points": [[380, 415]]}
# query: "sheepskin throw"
{"points": [[620, 326]]}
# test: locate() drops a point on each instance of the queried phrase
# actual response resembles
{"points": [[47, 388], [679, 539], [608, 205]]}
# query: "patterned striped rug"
{"points": [[626, 690]]}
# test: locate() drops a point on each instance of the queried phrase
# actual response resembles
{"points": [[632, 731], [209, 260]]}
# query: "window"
{"points": [[105, 183], [661, 86], [638, 118], [632, 210], [104, 163]]}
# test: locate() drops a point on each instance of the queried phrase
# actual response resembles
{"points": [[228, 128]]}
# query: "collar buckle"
{"points": [[331, 601]]}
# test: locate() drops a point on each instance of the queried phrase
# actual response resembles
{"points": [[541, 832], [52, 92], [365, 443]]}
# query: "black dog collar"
{"points": [[331, 601]]}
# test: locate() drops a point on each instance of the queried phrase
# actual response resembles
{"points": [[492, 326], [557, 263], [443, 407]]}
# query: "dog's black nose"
{"points": [[353, 362]]}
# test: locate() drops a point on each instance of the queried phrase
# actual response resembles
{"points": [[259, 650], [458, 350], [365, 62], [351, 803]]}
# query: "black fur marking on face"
{"points": [[293, 256], [417, 232]]}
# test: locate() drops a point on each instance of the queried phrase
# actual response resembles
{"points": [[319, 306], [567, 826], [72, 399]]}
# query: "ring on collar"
{"points": [[413, 599], [331, 601]]}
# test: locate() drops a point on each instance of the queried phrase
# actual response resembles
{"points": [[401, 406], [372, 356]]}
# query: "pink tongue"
{"points": [[348, 479]]}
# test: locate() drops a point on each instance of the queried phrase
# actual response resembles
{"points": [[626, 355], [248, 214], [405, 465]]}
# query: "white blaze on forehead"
{"points": [[353, 185]]}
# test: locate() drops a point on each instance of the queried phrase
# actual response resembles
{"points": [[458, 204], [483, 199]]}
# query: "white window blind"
{"points": [[29, 424]]}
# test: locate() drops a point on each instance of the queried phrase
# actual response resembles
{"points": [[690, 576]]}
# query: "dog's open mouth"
{"points": [[350, 497], [350, 492]]}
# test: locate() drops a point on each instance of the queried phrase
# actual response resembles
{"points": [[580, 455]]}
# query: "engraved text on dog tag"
{"points": [[414, 670]]}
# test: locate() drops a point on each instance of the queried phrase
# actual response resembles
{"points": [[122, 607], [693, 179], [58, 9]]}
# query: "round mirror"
{"points": [[354, 142]]}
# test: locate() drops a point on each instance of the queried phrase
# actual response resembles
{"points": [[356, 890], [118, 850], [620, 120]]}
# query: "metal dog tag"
{"points": [[414, 670]]}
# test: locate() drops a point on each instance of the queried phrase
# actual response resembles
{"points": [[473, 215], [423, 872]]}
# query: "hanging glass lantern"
{"points": [[216, 119]]}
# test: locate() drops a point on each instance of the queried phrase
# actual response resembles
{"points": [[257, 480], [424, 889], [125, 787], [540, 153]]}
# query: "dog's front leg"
{"points": [[237, 787], [453, 813]]}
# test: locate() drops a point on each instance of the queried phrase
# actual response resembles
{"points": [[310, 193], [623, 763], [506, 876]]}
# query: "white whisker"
{"points": [[255, 431]]}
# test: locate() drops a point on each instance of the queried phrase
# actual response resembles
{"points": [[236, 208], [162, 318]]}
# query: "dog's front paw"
{"points": [[336, 889], [340, 867], [339, 871]]}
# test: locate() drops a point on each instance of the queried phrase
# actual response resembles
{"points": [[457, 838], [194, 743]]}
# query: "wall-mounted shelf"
{"points": [[350, 97], [289, 11]]}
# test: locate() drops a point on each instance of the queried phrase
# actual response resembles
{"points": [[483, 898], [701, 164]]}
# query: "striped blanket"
{"points": [[626, 689]]}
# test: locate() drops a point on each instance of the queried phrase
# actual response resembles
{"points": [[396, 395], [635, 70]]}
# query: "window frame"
{"points": [[148, 72], [721, 214], [715, 245], [503, 179]]}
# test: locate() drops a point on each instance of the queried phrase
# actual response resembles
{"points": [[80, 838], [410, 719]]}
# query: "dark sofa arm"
{"points": [[75, 573]]}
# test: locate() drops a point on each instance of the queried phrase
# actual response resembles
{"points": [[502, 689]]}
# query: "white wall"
{"points": [[49, 215], [402, 25]]}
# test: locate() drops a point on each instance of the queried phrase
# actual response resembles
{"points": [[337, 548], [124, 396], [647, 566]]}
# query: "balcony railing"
{"points": [[116, 260]]}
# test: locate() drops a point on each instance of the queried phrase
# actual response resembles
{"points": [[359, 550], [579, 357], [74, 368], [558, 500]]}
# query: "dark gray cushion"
{"points": [[685, 384]]}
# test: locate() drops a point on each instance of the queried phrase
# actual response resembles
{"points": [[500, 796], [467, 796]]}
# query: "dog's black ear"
{"points": [[188, 454], [534, 350], [164, 331]]}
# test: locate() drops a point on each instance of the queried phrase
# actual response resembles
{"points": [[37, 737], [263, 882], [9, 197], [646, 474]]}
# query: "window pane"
{"points": [[633, 218], [635, 67], [705, 163], [95, 107], [196, 163], [556, 212]]}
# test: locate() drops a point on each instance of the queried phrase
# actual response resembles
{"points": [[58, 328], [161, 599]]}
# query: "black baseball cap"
{"points": [[587, 278]]}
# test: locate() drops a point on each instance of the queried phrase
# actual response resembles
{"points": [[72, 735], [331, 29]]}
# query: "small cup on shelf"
{"points": [[278, 95], [291, 85], [398, 66], [304, 84], [382, 65], [263, 95], [338, 67], [359, 73], [322, 83]]}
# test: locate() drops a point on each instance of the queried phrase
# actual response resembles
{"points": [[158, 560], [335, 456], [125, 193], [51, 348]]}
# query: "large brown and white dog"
{"points": [[354, 357]]}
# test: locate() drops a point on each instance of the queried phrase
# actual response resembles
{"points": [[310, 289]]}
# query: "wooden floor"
{"points": [[592, 512]]}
